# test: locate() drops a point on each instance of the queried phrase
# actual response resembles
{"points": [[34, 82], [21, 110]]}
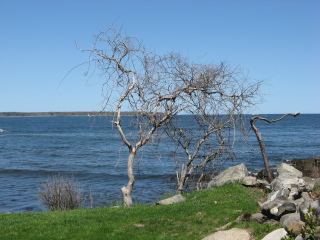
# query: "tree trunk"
{"points": [[264, 155], [182, 178], [127, 190]]}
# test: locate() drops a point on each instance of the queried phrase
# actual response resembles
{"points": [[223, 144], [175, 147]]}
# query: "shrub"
{"points": [[61, 193]]}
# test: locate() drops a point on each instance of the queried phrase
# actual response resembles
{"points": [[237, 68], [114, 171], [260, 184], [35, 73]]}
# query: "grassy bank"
{"points": [[193, 219]]}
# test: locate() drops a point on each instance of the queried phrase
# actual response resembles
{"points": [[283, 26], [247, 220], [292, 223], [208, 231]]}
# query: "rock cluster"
{"points": [[288, 200]]}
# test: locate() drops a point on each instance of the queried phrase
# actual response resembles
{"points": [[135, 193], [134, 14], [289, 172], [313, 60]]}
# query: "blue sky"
{"points": [[275, 41]]}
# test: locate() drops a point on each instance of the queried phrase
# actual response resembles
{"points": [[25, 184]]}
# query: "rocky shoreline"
{"points": [[287, 203], [288, 198]]}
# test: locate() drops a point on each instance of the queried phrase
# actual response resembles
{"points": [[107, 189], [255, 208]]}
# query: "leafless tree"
{"points": [[134, 78], [261, 144], [216, 99]]}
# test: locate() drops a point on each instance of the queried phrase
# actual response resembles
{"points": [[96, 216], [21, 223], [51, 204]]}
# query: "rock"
{"points": [[230, 175], [285, 208], [291, 222], [303, 208], [287, 180], [298, 202], [232, 234], [316, 206], [284, 220], [310, 183], [276, 208], [306, 196], [276, 234], [263, 183], [279, 194], [286, 168], [258, 217], [250, 181], [175, 199], [268, 205], [274, 211], [295, 227], [294, 193]]}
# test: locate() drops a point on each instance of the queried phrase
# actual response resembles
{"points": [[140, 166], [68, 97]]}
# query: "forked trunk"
{"points": [[127, 190]]}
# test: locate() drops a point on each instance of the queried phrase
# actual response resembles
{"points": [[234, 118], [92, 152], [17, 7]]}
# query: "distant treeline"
{"points": [[66, 114]]}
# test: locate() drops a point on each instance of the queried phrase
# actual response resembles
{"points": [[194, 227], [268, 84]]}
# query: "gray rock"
{"points": [[286, 168], [175, 199], [287, 180], [316, 205], [267, 206], [230, 175], [298, 202], [306, 196], [303, 208], [231, 234], [263, 183], [285, 208], [276, 208], [279, 194], [250, 181], [294, 193], [276, 234]]}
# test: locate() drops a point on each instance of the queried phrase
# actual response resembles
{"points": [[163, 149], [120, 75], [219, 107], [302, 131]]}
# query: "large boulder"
{"points": [[286, 168], [230, 175], [287, 180], [231, 234]]}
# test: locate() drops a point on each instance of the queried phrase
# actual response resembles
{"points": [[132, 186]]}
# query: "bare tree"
{"points": [[134, 78], [216, 99], [261, 144]]}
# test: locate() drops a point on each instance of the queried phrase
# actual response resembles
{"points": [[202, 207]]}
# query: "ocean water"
{"points": [[90, 150]]}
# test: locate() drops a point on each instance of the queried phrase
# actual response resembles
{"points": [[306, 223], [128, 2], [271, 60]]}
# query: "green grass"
{"points": [[193, 219]]}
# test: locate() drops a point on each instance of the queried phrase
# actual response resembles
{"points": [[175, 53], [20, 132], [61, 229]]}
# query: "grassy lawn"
{"points": [[193, 219]]}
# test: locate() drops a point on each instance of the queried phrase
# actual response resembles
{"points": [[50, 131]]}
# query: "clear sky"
{"points": [[273, 40]]}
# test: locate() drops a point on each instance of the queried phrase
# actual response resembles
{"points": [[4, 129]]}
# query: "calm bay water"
{"points": [[90, 150]]}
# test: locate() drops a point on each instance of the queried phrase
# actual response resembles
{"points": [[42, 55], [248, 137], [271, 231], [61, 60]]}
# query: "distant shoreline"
{"points": [[91, 114], [59, 114]]}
